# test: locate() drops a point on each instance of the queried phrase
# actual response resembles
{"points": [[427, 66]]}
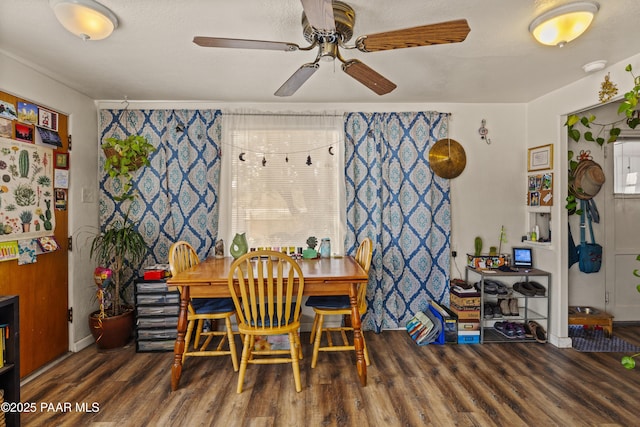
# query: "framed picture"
{"points": [[540, 189], [27, 113], [62, 160], [24, 132], [8, 110], [6, 128], [47, 119], [540, 158]]}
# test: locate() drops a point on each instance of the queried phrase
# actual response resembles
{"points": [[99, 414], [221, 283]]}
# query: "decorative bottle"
{"points": [[325, 248]]}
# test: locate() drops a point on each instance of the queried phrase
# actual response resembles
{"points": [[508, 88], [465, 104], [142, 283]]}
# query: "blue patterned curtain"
{"points": [[178, 193], [394, 198]]}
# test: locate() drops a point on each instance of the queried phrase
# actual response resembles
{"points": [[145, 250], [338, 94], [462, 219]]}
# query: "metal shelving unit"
{"points": [[529, 307]]}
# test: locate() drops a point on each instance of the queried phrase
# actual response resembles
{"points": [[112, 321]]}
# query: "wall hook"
{"points": [[483, 131]]}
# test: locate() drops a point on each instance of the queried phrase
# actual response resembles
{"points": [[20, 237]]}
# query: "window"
{"points": [[283, 180], [626, 165]]}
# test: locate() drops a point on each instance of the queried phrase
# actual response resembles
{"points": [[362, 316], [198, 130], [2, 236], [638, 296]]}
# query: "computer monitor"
{"points": [[522, 258]]}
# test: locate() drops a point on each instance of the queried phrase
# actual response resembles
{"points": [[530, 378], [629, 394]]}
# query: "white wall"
{"points": [[25, 82], [545, 124]]}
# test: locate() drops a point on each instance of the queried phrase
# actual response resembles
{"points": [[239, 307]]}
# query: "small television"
{"points": [[522, 258]]}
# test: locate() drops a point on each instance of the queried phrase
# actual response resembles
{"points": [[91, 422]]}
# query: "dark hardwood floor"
{"points": [[512, 384]]}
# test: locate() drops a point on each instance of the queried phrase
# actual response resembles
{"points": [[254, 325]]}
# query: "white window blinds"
{"points": [[283, 179]]}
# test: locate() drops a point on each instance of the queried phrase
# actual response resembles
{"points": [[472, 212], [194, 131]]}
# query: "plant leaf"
{"points": [[628, 362], [574, 134], [572, 120]]}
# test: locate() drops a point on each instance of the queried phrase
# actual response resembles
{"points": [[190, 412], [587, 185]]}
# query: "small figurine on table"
{"points": [[218, 251], [310, 252]]}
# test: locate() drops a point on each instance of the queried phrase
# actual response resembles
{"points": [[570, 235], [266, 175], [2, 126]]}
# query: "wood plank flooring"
{"points": [[512, 384]]}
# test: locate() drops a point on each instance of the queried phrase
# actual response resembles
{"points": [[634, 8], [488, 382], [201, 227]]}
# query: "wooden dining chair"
{"points": [[266, 288], [181, 257], [339, 306]]}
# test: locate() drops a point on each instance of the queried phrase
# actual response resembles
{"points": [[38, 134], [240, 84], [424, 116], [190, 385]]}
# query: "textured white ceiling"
{"points": [[151, 55]]}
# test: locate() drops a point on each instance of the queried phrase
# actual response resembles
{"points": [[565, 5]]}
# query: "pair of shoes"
{"points": [[511, 330], [494, 287], [537, 331], [492, 311], [509, 306], [530, 289]]}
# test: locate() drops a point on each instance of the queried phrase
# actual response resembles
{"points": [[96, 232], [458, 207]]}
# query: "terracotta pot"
{"points": [[112, 332]]}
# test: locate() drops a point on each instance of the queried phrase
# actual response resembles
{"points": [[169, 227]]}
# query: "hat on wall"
{"points": [[588, 179]]}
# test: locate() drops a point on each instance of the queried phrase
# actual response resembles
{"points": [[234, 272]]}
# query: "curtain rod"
{"points": [[283, 114], [309, 115]]}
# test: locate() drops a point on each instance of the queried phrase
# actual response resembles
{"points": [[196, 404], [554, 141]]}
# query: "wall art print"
{"points": [[26, 191]]}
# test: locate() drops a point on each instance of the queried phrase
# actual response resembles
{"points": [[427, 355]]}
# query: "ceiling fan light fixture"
{"points": [[565, 23], [86, 19]]}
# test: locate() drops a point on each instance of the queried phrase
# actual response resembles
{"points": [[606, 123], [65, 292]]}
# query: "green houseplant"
{"points": [[119, 243], [631, 116], [629, 361], [125, 156]]}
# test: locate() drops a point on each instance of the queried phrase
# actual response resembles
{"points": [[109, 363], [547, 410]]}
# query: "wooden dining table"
{"points": [[322, 276]]}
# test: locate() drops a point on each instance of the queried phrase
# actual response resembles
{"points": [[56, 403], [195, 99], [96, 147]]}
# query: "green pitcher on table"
{"points": [[239, 245]]}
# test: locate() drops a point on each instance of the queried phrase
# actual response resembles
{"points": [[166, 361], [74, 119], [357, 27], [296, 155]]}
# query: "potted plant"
{"points": [[310, 252], [125, 156], [119, 243]]}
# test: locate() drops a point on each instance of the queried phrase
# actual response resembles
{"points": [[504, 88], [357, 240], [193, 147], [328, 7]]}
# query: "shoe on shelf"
{"points": [[497, 313], [504, 307], [528, 333], [490, 287], [524, 288], [538, 331], [538, 288], [506, 328], [513, 306], [488, 311], [520, 332]]}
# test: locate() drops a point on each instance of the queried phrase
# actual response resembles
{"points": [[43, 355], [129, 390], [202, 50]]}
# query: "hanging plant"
{"points": [[125, 156], [628, 107]]}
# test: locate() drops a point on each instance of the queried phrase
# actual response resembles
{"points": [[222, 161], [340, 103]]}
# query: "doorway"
{"points": [[622, 227]]}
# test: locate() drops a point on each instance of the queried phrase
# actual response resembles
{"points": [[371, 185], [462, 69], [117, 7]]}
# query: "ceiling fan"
{"points": [[328, 25]]}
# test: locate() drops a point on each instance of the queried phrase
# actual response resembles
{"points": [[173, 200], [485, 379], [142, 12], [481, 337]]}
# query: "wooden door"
{"points": [[42, 286]]}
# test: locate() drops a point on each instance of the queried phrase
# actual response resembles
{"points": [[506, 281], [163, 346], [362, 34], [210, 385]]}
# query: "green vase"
{"points": [[239, 245]]}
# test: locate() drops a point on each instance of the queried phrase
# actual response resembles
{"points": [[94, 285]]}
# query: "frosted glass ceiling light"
{"points": [[563, 24], [86, 19]]}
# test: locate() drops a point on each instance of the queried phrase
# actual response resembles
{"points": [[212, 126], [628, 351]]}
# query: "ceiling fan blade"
{"points": [[297, 79], [244, 44], [425, 35], [368, 77], [319, 13]]}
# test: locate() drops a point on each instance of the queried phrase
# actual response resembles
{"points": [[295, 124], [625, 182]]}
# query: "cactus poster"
{"points": [[26, 190]]}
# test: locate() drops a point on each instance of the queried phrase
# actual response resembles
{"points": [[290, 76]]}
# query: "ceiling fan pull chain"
{"points": [[483, 131]]}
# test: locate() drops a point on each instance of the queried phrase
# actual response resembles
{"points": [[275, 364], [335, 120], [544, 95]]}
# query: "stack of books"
{"points": [[4, 331]]}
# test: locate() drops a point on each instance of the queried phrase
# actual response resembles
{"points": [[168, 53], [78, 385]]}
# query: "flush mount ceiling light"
{"points": [[86, 19], [563, 24]]}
